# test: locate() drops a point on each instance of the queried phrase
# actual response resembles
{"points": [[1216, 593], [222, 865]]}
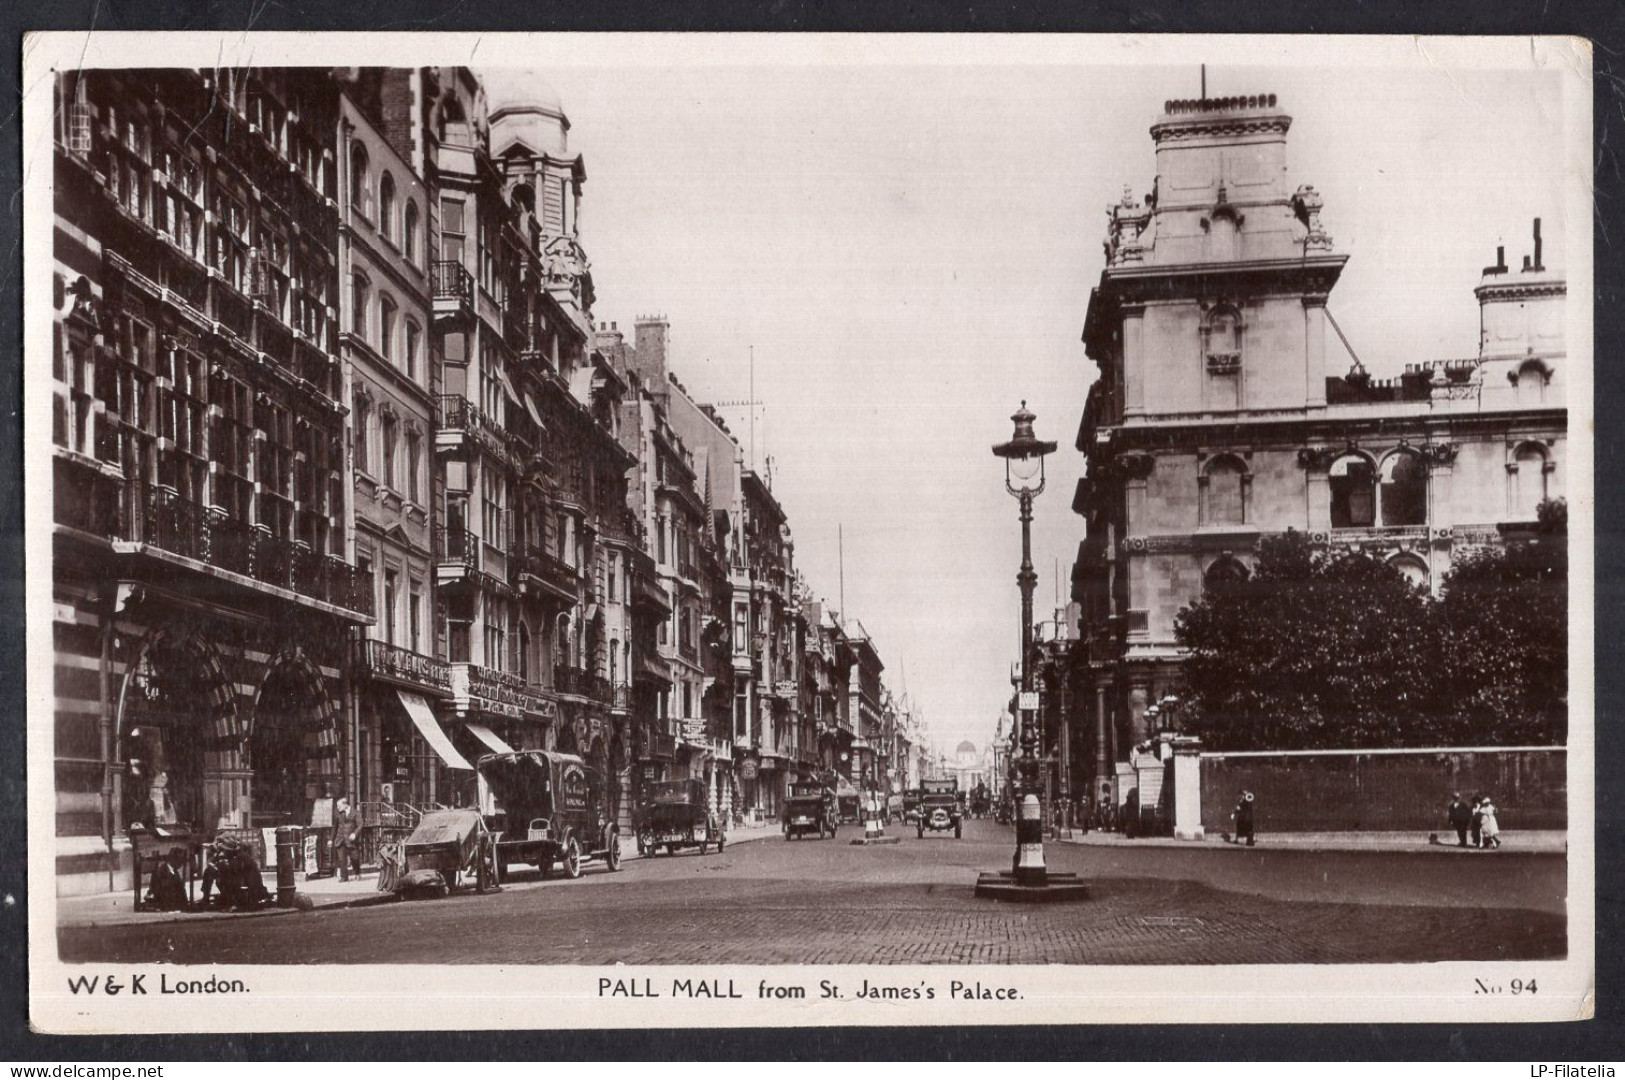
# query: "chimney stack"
{"points": [[1538, 266]]}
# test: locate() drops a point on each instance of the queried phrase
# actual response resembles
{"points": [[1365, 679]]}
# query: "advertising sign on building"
{"points": [[747, 770], [1029, 700]]}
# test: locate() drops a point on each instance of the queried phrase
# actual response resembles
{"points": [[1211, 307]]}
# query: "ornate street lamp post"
{"points": [[1029, 879]]}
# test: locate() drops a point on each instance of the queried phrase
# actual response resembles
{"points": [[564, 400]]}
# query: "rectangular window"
{"points": [[392, 586], [389, 430], [414, 620], [414, 471]]}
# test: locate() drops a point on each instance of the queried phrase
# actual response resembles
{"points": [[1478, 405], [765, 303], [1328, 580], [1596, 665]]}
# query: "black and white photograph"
{"points": [[807, 529]]}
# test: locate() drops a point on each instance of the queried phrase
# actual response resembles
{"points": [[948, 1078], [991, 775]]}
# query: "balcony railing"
{"points": [[383, 660], [582, 683], [458, 547], [159, 516], [452, 281], [530, 561]]}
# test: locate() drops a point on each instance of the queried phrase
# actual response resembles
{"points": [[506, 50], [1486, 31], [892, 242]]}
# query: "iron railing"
{"points": [[458, 547], [452, 281], [161, 517]]}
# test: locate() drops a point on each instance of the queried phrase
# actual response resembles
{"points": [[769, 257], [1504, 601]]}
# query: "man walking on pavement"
{"points": [[1461, 818], [347, 840], [1244, 818]]}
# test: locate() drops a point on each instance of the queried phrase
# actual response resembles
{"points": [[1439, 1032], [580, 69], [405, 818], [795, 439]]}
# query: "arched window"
{"points": [[360, 182], [386, 206], [386, 326], [1412, 568], [363, 418], [409, 234], [414, 345], [1352, 482], [1225, 570], [360, 293], [1404, 489], [1528, 487], [561, 646], [1224, 497]]}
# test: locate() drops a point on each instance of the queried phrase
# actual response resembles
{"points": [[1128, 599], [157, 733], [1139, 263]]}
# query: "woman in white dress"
{"points": [[1491, 829]]}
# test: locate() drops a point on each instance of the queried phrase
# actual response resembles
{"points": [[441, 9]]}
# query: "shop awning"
{"points": [[535, 415], [507, 387], [490, 739], [423, 718]]}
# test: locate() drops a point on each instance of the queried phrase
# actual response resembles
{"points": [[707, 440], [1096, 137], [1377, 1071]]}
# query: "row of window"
{"points": [[398, 220], [398, 340], [1364, 493], [398, 462]]}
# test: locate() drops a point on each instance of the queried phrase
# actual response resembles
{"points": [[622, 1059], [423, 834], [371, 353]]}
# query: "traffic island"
{"points": [[1057, 887], [874, 828], [1030, 882]]}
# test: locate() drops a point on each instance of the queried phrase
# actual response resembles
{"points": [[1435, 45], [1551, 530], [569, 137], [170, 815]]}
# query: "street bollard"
{"points": [[1030, 843], [287, 864]]}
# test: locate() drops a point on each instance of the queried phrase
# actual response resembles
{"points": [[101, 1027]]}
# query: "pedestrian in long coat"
{"points": [[1461, 818], [1244, 819], [1478, 821], [1488, 826]]}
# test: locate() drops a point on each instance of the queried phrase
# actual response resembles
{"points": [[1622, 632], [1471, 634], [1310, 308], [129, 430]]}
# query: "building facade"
{"points": [[1226, 410], [350, 491], [206, 604]]}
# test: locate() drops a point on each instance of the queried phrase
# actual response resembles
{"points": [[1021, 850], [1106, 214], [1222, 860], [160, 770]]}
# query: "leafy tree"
{"points": [[1505, 612], [1315, 650], [1333, 649]]}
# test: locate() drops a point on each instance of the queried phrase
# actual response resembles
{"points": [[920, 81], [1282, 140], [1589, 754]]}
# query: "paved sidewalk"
{"points": [[116, 909], [1544, 841]]}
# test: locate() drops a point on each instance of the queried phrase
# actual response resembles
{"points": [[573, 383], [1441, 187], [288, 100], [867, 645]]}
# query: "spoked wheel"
{"points": [[571, 860], [612, 853]]}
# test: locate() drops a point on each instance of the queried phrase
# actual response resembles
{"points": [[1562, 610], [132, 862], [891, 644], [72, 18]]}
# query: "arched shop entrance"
{"points": [[178, 733], [293, 746]]}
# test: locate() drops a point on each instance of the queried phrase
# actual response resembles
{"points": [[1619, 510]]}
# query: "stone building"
{"points": [[1226, 410], [384, 317], [205, 604]]}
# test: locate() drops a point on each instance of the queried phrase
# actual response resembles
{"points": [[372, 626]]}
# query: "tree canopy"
{"points": [[1326, 649]]}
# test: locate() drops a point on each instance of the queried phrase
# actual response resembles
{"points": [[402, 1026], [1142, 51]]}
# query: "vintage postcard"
{"points": [[577, 531]]}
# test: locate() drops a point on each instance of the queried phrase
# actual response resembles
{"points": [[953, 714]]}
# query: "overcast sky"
{"points": [[910, 252]]}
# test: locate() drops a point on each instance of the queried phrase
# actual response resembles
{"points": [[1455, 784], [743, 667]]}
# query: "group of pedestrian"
{"points": [[1476, 819]]}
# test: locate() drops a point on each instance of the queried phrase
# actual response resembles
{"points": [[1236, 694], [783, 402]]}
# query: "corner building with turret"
{"points": [[1229, 408]]}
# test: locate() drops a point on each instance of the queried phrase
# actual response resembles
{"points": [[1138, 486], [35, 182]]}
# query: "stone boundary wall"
{"points": [[1385, 790]]}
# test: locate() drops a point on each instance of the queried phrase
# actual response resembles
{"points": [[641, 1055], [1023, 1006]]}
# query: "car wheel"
{"points": [[572, 857], [612, 853]]}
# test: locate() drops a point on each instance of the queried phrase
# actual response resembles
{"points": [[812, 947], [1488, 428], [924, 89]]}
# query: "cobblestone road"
{"points": [[773, 901]]}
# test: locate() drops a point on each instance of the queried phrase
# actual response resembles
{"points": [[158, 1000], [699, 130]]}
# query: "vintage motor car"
{"points": [[911, 806], [810, 811], [448, 848], [939, 807], [675, 816], [548, 810]]}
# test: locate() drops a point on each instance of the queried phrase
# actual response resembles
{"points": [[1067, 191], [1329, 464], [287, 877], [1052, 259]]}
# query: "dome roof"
{"points": [[966, 747], [521, 90]]}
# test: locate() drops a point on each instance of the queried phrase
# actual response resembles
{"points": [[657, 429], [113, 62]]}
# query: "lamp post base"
{"points": [[1058, 887]]}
